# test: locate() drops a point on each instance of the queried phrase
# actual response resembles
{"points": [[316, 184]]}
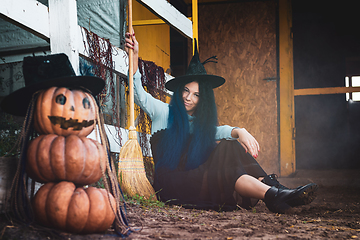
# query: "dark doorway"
{"points": [[327, 126]]}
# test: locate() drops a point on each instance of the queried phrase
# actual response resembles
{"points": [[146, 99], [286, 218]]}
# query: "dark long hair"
{"points": [[178, 142]]}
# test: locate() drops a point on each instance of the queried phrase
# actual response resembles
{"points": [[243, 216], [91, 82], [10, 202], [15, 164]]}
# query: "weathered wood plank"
{"points": [[322, 91], [28, 14], [286, 90], [64, 31], [170, 15], [243, 37], [148, 22]]}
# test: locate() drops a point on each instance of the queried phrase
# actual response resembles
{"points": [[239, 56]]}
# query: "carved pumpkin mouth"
{"points": [[71, 123]]}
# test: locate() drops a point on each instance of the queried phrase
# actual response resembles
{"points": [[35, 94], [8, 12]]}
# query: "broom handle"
{"points": [[131, 72]]}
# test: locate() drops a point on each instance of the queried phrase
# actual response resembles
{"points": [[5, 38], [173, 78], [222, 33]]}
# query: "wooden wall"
{"points": [[243, 36], [154, 40]]}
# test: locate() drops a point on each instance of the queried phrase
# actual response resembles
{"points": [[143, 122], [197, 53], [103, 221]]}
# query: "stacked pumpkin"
{"points": [[65, 160]]}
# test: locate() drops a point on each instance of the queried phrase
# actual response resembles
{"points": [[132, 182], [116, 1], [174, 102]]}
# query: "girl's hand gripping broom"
{"points": [[131, 171]]}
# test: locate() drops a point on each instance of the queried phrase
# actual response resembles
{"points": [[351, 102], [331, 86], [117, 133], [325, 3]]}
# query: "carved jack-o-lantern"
{"points": [[63, 112]]}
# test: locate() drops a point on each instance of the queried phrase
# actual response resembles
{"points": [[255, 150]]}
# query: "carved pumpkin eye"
{"points": [[61, 99], [86, 103]]}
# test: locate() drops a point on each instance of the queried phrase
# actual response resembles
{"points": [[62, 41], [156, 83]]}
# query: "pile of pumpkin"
{"points": [[65, 160]]}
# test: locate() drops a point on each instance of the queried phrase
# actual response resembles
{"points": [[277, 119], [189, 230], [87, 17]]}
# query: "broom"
{"points": [[131, 170]]}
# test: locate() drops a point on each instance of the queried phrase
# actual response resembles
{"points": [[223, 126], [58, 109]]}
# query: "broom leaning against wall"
{"points": [[132, 176]]}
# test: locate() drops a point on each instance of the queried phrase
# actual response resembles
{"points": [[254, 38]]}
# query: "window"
{"points": [[352, 81]]}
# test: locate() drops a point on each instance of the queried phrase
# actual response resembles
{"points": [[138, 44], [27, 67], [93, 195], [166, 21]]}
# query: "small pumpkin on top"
{"points": [[62, 111]]}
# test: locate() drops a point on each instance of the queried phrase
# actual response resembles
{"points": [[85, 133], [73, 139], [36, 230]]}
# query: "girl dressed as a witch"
{"points": [[191, 168]]}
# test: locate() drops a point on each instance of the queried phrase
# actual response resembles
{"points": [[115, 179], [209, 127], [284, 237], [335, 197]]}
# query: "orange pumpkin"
{"points": [[64, 112], [55, 158], [77, 210]]}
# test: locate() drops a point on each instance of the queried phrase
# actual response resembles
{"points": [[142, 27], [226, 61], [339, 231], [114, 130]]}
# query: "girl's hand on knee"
{"points": [[247, 141]]}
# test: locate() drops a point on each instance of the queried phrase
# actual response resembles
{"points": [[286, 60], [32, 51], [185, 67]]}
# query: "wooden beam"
{"points": [[20, 57], [64, 30], [30, 15], [195, 21], [27, 50], [329, 90], [286, 90], [148, 22], [170, 15]]}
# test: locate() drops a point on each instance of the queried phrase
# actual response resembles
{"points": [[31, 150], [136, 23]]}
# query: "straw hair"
{"points": [[132, 176]]}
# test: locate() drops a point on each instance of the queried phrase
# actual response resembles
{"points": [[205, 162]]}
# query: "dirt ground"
{"points": [[335, 214]]}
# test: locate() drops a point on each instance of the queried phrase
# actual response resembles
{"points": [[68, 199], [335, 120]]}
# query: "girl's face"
{"points": [[191, 97]]}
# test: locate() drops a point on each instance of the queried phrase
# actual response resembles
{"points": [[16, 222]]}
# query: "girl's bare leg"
{"points": [[249, 186], [277, 200]]}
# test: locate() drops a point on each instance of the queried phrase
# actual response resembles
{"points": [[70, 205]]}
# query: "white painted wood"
{"points": [[169, 14], [112, 134], [113, 137], [64, 30], [28, 14]]}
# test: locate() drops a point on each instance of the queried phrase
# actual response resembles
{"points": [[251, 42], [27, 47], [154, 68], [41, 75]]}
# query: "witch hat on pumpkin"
{"points": [[196, 72], [42, 72]]}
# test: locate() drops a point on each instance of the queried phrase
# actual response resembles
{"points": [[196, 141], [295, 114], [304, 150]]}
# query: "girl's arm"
{"points": [[156, 109], [246, 140], [244, 137]]}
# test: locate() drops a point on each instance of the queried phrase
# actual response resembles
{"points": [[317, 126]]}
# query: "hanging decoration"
{"points": [[100, 52], [153, 80]]}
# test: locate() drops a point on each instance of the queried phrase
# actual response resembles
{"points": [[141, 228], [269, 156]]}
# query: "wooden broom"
{"points": [[131, 170]]}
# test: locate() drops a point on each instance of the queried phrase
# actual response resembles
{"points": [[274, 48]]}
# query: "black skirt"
{"points": [[211, 185]]}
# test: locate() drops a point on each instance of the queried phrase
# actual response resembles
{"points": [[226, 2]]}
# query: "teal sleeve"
{"points": [[157, 110], [224, 132]]}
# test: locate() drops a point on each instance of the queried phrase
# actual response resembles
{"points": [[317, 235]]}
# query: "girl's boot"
{"points": [[279, 200]]}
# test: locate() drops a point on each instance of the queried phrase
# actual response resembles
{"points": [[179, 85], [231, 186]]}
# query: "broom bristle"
{"points": [[132, 175]]}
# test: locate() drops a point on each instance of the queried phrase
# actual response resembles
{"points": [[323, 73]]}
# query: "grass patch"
{"points": [[143, 202]]}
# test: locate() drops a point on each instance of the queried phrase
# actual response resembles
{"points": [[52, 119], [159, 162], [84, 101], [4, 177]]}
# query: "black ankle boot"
{"points": [[308, 194], [279, 200], [271, 180]]}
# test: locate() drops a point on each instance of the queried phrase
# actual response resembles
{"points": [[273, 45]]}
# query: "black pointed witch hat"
{"points": [[43, 72], [195, 72]]}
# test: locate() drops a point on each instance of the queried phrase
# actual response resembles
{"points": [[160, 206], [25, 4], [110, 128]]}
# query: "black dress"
{"points": [[211, 185]]}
